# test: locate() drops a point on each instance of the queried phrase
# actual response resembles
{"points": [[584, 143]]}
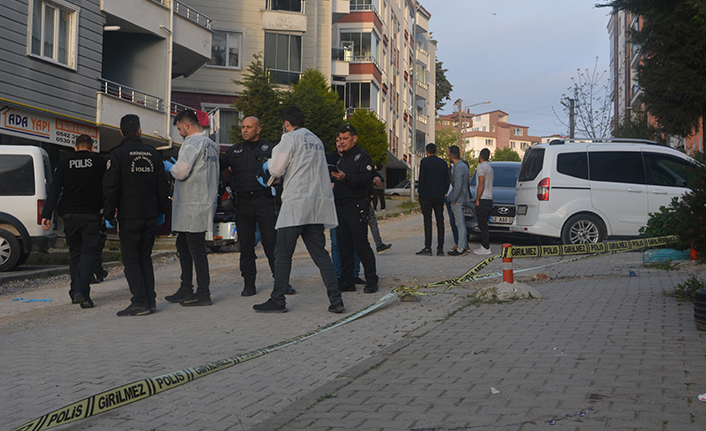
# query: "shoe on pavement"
{"points": [[180, 295], [337, 308], [101, 274], [452, 249], [290, 291], [383, 248], [134, 310], [345, 286], [197, 300], [87, 303], [359, 280], [248, 291], [79, 299], [457, 253], [269, 307], [74, 300], [440, 252], [93, 280], [370, 289], [424, 252], [482, 250]]}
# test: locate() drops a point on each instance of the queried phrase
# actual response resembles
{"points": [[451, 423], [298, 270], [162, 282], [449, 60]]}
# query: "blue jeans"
{"points": [[452, 222], [336, 257]]}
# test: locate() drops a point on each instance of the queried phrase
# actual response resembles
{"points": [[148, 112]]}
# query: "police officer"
{"points": [[351, 179], [254, 202], [78, 191], [135, 185]]}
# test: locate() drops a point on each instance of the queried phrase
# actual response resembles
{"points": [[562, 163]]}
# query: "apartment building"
{"points": [[77, 66], [489, 130], [376, 54]]}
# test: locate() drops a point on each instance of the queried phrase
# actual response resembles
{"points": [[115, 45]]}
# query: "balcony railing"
{"points": [[422, 118], [365, 59], [131, 95], [188, 13], [176, 108], [341, 53], [362, 7], [424, 85], [284, 77], [286, 5]]}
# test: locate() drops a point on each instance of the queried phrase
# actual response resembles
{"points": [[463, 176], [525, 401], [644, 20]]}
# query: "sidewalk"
{"points": [[624, 352]]}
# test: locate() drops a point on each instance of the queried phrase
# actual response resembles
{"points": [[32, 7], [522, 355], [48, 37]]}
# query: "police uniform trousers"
{"points": [[83, 236], [136, 242], [249, 212], [191, 247], [315, 242], [352, 234]]}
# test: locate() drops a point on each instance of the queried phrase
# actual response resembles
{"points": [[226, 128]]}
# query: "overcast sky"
{"points": [[519, 54]]}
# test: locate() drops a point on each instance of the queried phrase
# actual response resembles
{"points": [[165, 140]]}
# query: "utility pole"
{"points": [[459, 103], [572, 117]]}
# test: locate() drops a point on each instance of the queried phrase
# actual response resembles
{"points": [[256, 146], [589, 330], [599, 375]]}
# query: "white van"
{"points": [[586, 192], [25, 175]]}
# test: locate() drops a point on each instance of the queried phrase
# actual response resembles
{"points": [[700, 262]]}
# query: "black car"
{"points": [[503, 213]]}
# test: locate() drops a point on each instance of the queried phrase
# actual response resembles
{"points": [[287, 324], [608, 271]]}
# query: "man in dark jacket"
{"points": [[351, 179], [77, 189], [433, 185], [135, 185]]}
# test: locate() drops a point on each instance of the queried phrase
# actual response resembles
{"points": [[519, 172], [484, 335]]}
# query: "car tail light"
{"points": [[40, 208], [543, 190]]}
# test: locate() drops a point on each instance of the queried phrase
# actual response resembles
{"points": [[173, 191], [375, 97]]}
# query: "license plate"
{"points": [[522, 210], [500, 219]]}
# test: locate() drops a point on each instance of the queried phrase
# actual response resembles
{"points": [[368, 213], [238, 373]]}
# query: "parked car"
{"points": [[503, 213], [25, 175], [586, 192], [401, 189]]}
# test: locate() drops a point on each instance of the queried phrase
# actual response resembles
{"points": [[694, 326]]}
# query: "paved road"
{"points": [[608, 345]]}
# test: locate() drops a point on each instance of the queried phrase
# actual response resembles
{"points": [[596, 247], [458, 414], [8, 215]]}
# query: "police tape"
{"points": [[590, 248], [145, 388]]}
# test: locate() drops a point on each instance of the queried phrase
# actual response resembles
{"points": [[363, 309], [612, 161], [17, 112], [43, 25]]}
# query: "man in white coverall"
{"points": [[193, 206], [307, 209]]}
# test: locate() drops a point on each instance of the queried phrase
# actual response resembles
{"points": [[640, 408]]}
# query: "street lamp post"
{"points": [[459, 102]]}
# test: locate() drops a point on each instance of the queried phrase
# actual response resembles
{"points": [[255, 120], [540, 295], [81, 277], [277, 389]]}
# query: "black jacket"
{"points": [[433, 178], [77, 180], [135, 183], [358, 167], [245, 161]]}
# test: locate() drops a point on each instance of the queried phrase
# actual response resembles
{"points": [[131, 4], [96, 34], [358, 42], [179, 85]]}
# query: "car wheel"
{"points": [[215, 248], [583, 229], [23, 258], [9, 250], [395, 194]]}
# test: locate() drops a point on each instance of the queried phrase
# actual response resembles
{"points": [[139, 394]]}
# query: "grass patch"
{"points": [[325, 397], [666, 265], [408, 205]]}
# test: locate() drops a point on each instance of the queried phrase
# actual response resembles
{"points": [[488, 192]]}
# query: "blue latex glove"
{"points": [[160, 219], [108, 224], [168, 165], [261, 181], [264, 167]]}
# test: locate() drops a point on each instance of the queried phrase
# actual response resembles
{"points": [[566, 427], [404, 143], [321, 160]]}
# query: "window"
{"points": [[532, 164], [225, 49], [53, 31], [616, 167], [512, 144], [488, 142], [359, 95], [16, 175], [667, 170], [493, 127], [421, 73], [518, 132], [227, 118], [478, 118], [573, 164], [288, 5], [365, 46], [524, 145], [283, 57]]}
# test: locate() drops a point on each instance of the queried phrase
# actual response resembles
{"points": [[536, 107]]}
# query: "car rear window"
{"points": [[16, 175], [573, 164], [532, 164]]}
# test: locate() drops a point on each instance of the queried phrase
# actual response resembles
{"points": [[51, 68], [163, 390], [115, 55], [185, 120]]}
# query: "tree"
{"points": [[636, 126], [324, 111], [443, 86], [505, 155], [372, 134], [444, 137], [261, 98], [592, 104], [672, 73]]}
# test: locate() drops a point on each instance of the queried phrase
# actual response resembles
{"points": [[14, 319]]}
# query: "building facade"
{"points": [[73, 67], [488, 130], [375, 53]]}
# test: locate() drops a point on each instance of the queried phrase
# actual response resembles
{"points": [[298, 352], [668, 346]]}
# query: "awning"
{"points": [[394, 163]]}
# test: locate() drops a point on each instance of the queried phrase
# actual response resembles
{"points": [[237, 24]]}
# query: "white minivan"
{"points": [[25, 175], [588, 191]]}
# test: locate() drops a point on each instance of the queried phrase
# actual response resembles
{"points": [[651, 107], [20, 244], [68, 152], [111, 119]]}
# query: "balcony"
{"points": [[284, 15], [340, 57], [339, 9]]}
